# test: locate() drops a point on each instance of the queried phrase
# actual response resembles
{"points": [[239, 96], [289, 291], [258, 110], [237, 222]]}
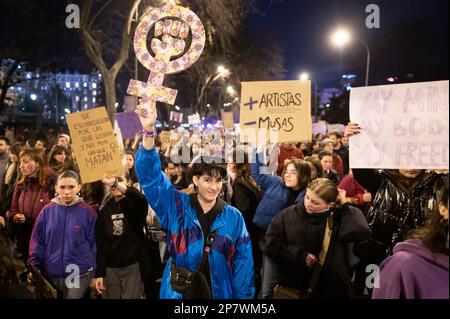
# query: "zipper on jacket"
{"points": [[64, 235]]}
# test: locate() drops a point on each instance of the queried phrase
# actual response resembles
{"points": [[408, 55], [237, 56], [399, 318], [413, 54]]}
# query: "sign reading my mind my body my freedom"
{"points": [[280, 108], [95, 145], [402, 126]]}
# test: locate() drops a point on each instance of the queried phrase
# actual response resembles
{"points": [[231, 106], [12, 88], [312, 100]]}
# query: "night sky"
{"points": [[413, 38]]}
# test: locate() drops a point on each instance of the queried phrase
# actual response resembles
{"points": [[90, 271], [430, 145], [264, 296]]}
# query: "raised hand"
{"points": [[147, 115], [352, 129]]}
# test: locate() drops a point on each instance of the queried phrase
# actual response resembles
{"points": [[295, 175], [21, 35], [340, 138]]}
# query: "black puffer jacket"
{"points": [[294, 233], [400, 204]]}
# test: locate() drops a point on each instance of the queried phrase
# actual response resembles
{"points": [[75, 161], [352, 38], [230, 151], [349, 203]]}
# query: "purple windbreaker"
{"points": [[64, 235]]}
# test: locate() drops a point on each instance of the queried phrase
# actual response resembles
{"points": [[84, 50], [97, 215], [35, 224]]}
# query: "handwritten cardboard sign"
{"points": [[282, 107], [129, 124], [95, 144], [403, 126]]}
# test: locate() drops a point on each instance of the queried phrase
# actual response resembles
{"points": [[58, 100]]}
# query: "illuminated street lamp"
{"points": [[341, 37]]}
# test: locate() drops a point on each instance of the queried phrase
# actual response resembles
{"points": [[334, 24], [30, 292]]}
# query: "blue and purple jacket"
{"points": [[230, 258]]}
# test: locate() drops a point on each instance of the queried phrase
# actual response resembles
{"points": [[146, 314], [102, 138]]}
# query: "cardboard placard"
{"points": [[279, 107], [95, 144], [227, 118], [403, 126]]}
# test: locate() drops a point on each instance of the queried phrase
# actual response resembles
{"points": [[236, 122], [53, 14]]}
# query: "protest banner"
{"points": [[335, 128], [319, 128], [176, 117], [402, 126], [281, 107], [227, 118], [129, 124], [194, 119], [94, 144]]}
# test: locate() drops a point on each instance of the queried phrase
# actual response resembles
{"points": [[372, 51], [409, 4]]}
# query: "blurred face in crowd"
{"points": [[329, 147], [130, 161], [443, 210], [410, 173], [39, 145], [27, 166], [67, 189], [327, 163], [316, 146], [63, 141], [288, 145], [3, 146], [291, 176], [172, 170], [344, 140], [208, 187], [315, 204], [60, 158], [336, 140]]}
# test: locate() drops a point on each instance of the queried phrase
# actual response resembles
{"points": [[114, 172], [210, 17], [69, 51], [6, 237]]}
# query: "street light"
{"points": [[341, 37], [304, 76]]}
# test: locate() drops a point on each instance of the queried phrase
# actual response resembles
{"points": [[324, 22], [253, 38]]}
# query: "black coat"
{"points": [[294, 233], [399, 205]]}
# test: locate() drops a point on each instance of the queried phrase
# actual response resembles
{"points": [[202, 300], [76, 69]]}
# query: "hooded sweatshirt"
{"points": [[63, 235], [413, 272]]}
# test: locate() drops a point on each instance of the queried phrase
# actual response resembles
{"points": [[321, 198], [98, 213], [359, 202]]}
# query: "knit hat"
{"points": [[326, 141]]}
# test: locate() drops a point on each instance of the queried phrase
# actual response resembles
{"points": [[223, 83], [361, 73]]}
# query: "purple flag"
{"points": [[129, 124]]}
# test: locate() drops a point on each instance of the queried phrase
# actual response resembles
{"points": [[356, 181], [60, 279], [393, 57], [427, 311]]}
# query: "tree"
{"points": [[105, 49]]}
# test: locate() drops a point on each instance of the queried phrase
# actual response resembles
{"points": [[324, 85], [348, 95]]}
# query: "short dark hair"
{"points": [[4, 138], [337, 133], [208, 165], [322, 154]]}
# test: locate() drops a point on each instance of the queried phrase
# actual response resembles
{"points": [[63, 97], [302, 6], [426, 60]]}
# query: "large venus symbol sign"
{"points": [[173, 32]]}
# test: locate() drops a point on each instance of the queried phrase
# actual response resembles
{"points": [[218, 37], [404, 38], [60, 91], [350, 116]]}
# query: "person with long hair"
{"points": [[419, 267], [246, 197], [59, 160], [294, 241], [34, 189]]}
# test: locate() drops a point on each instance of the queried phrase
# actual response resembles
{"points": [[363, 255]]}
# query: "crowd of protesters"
{"points": [[231, 221]]}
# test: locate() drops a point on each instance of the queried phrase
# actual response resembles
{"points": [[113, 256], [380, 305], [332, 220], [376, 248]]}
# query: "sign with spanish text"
{"points": [[280, 108], [403, 126], [95, 144]]}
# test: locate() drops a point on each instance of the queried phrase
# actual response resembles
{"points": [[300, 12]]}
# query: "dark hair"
{"points": [[8, 272], [317, 165], [56, 150], [243, 166], [4, 138], [325, 189], [338, 134], [69, 174], [16, 148], [322, 154], [303, 172], [434, 234], [208, 165]]}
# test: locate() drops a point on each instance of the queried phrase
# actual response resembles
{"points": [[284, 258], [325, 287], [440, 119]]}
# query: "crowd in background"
{"points": [[286, 195]]}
